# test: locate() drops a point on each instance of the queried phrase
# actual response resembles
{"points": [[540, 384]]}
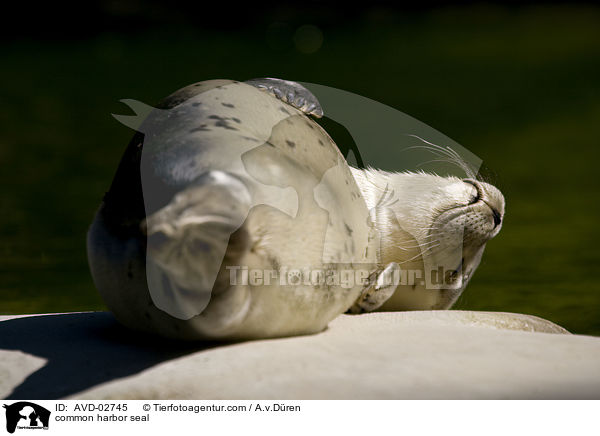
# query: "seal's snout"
{"points": [[491, 196]]}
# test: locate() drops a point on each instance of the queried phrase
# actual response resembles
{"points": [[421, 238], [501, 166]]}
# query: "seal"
{"points": [[233, 215]]}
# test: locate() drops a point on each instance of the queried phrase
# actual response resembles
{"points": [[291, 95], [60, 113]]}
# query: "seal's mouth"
{"points": [[457, 271], [462, 273]]}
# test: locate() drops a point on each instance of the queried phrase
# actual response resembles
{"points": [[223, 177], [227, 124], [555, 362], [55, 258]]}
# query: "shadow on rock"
{"points": [[83, 350]]}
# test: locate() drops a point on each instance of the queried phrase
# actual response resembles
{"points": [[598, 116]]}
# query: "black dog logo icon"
{"points": [[26, 415]]}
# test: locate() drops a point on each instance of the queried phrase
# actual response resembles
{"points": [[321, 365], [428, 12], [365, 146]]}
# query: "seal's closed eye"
{"points": [[477, 196]]}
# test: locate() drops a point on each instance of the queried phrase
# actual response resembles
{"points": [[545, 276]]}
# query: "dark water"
{"points": [[519, 88]]}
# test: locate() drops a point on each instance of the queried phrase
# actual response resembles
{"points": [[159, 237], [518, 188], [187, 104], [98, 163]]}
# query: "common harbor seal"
{"points": [[233, 215]]}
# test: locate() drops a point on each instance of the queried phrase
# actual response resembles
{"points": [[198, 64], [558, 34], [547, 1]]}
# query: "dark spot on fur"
{"points": [[308, 123], [274, 263], [348, 229], [321, 143], [237, 120], [196, 104], [201, 128], [290, 143], [227, 105], [222, 122], [224, 125], [249, 138], [270, 143], [284, 110]]}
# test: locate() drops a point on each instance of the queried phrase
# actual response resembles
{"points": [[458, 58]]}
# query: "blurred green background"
{"points": [[518, 86]]}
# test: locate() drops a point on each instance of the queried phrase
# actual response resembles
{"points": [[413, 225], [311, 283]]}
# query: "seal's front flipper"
{"points": [[187, 241], [290, 92], [372, 297]]}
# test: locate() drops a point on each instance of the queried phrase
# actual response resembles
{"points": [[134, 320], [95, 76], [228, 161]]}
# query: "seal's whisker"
{"points": [[437, 227], [386, 197], [422, 253], [412, 247], [452, 156], [426, 244]]}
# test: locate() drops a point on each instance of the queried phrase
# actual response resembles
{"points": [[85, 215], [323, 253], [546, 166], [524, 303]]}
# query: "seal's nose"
{"points": [[497, 217]]}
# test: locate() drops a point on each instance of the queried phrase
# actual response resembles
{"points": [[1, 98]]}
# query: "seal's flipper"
{"points": [[290, 92], [187, 241], [372, 297]]}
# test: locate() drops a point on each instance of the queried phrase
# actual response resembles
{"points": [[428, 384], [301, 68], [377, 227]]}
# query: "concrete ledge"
{"points": [[441, 354]]}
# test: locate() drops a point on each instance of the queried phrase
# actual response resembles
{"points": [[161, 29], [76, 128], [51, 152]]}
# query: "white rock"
{"points": [[445, 354], [440, 354]]}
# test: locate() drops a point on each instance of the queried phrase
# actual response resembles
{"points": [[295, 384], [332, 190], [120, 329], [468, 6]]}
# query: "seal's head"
{"points": [[434, 227]]}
